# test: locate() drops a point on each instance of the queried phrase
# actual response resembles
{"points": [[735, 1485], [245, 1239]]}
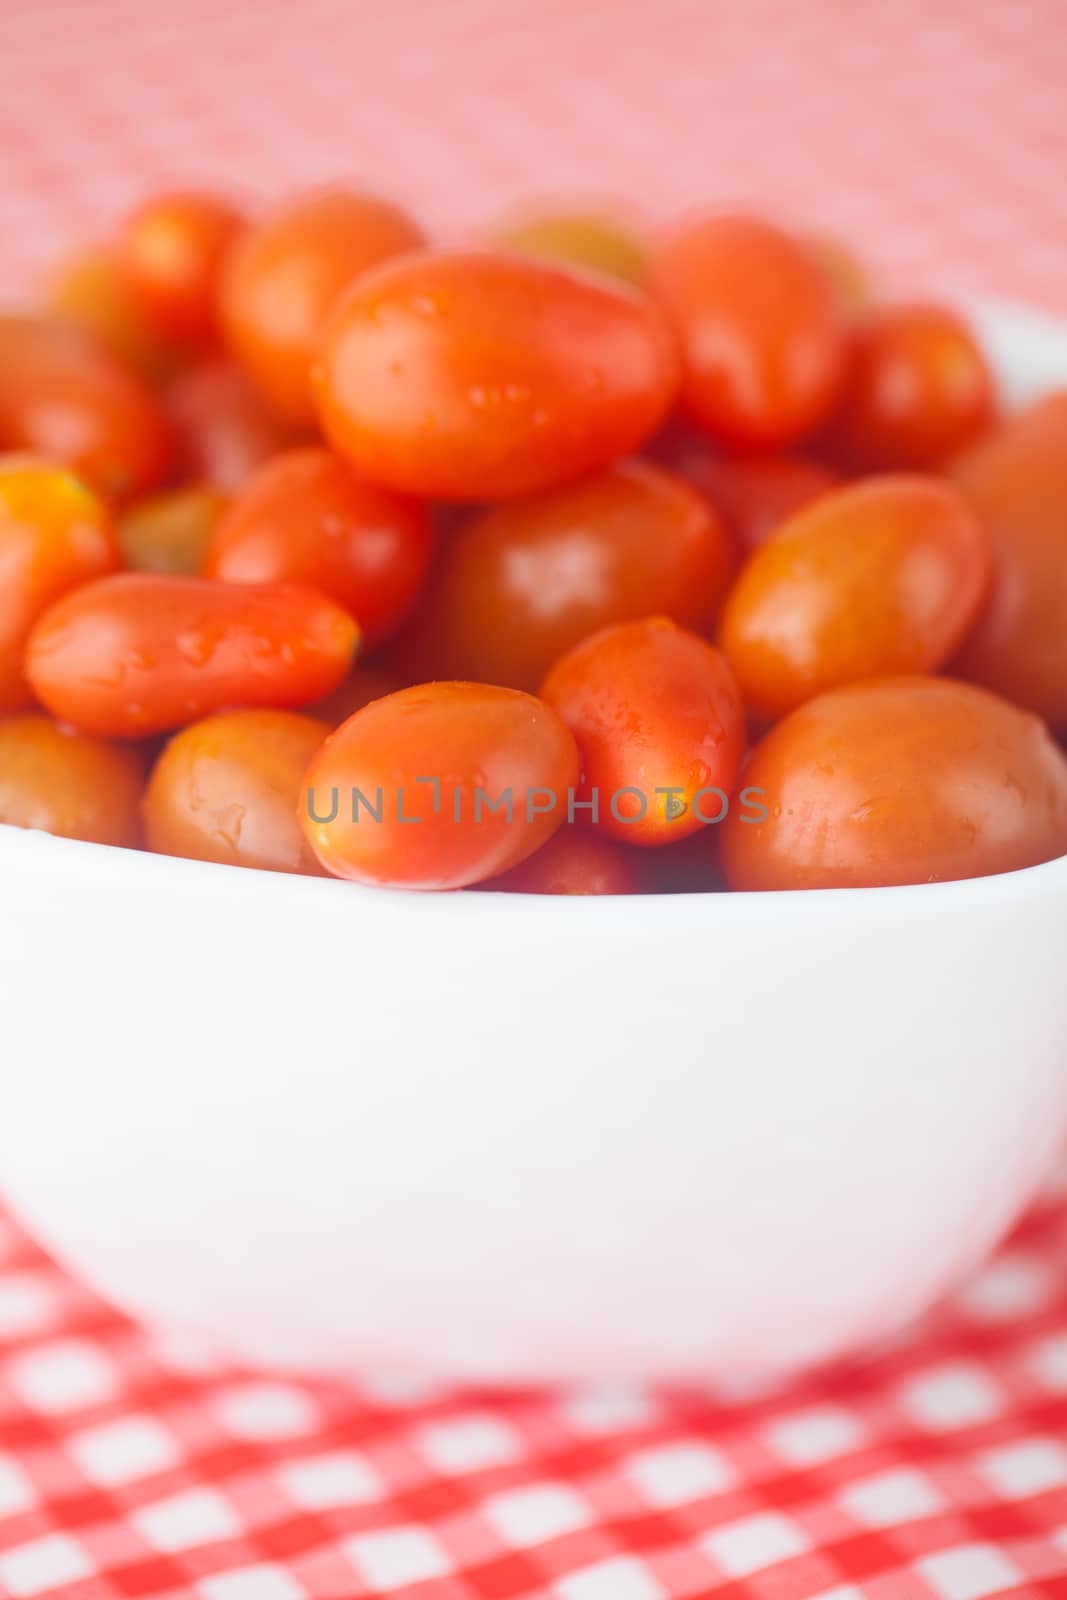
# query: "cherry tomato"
{"points": [[845, 270], [1016, 480], [761, 327], [223, 429], [526, 580], [574, 861], [63, 395], [54, 535], [477, 376], [919, 389], [752, 494], [580, 239], [171, 251], [439, 786], [68, 783], [229, 788], [659, 724], [284, 276], [169, 532], [138, 653], [309, 517], [89, 292], [366, 682], [903, 780], [876, 579]]}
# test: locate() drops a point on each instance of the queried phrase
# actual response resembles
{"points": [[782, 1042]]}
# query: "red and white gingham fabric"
{"points": [[935, 138]]}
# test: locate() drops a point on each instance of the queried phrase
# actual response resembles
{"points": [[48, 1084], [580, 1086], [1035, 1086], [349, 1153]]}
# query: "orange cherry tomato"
{"points": [[54, 535], [1016, 480], [90, 292], [63, 395], [752, 494], [68, 783], [526, 580], [902, 780], [285, 274], [580, 239], [574, 861], [844, 268], [228, 789], [309, 517], [169, 532], [478, 376], [879, 578], [761, 328], [659, 724], [171, 251], [223, 429], [918, 389], [366, 682], [439, 786], [138, 653]]}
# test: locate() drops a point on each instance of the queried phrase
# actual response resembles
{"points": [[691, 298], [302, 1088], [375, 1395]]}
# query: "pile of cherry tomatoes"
{"points": [[568, 561]]}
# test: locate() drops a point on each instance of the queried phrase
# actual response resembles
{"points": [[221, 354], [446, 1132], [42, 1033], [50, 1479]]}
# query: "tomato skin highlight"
{"points": [[1016, 481], [227, 789], [761, 327], [63, 395], [309, 517], [919, 389], [523, 582], [897, 781], [171, 251], [652, 707], [575, 860], [68, 783], [223, 431], [283, 277], [482, 375], [877, 579], [139, 653], [54, 535], [471, 738]]}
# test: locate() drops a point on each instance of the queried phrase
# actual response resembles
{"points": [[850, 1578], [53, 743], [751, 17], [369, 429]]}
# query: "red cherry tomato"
{"points": [[223, 429], [873, 580], [659, 724], [761, 328], [228, 789], [919, 389], [574, 861], [366, 682], [526, 580], [478, 376], [439, 786], [903, 780], [137, 654], [63, 395], [89, 292], [308, 517], [752, 494], [171, 251], [1016, 480], [68, 783], [54, 535], [284, 276], [169, 532]]}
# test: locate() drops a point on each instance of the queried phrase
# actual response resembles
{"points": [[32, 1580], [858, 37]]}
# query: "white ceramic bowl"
{"points": [[505, 1137]]}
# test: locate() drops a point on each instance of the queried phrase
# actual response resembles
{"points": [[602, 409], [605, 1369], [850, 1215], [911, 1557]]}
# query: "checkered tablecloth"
{"points": [[934, 137]]}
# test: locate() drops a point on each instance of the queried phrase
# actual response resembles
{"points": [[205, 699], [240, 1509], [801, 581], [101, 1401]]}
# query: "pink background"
{"points": [[933, 135]]}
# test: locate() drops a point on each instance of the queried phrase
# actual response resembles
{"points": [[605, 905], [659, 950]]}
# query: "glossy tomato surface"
{"points": [[137, 653], [660, 729], [1016, 481], [874, 580], [761, 328], [171, 251], [439, 786], [228, 789], [523, 582], [68, 783], [54, 535], [309, 517], [282, 280], [903, 780], [482, 375]]}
